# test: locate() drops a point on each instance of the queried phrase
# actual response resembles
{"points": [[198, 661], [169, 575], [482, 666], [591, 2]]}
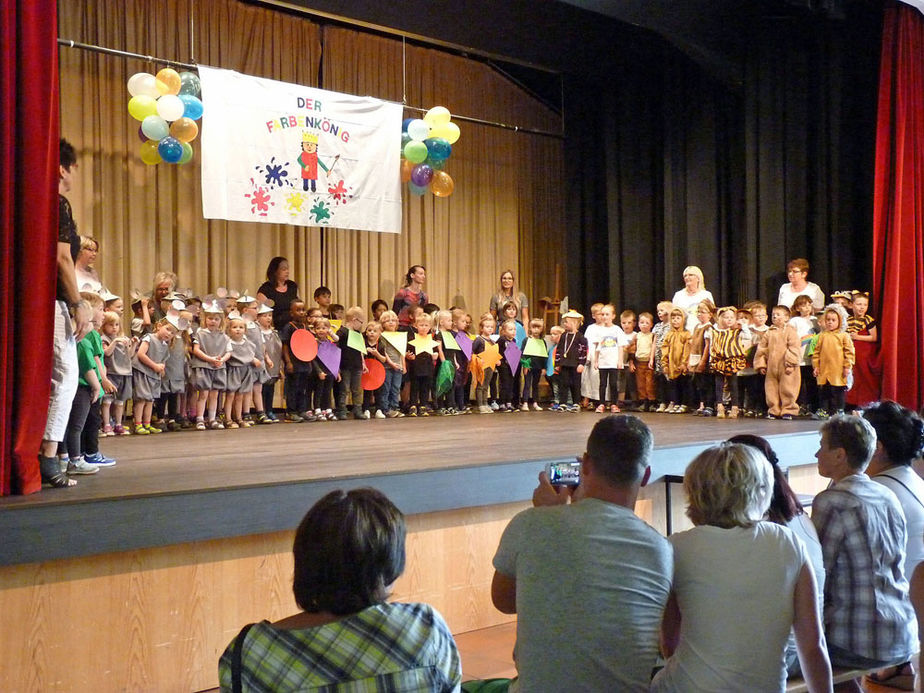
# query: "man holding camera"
{"points": [[588, 580]]}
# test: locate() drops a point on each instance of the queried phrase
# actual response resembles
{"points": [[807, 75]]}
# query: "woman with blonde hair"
{"points": [[740, 585], [508, 292], [692, 294]]}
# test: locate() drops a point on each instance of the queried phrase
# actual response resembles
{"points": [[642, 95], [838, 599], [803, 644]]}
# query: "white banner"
{"points": [[275, 152]]}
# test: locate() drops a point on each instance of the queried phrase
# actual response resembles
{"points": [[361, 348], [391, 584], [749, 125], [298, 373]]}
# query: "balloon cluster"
{"points": [[426, 145], [168, 107]]}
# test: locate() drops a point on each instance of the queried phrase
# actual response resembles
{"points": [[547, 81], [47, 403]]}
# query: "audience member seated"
{"points": [[740, 585], [785, 509], [899, 441], [588, 580], [869, 622], [348, 550]]}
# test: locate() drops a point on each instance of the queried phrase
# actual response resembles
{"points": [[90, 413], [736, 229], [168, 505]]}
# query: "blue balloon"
{"points": [[192, 106], [416, 189], [405, 123], [438, 148], [170, 150]]}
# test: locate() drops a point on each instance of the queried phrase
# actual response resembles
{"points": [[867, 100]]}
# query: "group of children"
{"points": [[215, 364]]}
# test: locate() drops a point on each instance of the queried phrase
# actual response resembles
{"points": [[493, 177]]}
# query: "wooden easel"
{"points": [[550, 306]]}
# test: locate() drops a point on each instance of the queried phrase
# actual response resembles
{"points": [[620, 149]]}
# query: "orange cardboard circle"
{"points": [[375, 377], [303, 345]]}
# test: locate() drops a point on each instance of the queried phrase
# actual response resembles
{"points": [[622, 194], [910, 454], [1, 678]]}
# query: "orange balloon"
{"points": [[168, 81], [184, 129], [442, 184], [406, 168]]}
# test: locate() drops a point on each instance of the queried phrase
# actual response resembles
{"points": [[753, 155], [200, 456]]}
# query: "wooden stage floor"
{"points": [[430, 464]]}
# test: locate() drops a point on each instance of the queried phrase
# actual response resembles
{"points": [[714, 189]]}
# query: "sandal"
{"points": [[52, 475], [902, 677]]}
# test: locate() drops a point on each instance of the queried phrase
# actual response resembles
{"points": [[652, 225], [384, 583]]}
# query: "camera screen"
{"points": [[564, 473]]}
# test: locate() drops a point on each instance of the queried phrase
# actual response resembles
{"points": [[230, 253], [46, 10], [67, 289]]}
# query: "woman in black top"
{"points": [[279, 289]]}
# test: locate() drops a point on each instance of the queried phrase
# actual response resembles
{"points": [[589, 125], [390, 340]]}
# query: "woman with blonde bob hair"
{"points": [[739, 581]]}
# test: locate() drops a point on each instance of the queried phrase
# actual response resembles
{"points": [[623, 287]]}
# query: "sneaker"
{"points": [[186, 424], [263, 419], [574, 408], [216, 425], [524, 407], [341, 416], [379, 414], [173, 425], [820, 415], [292, 417], [152, 429], [536, 407], [494, 406], [100, 460], [232, 424], [615, 409], [770, 416], [78, 465], [733, 414], [423, 412], [557, 407], [107, 432], [786, 417], [485, 409], [140, 430], [245, 423], [200, 425], [720, 411], [120, 430], [392, 414], [366, 415], [412, 411], [708, 411], [600, 409], [661, 408]]}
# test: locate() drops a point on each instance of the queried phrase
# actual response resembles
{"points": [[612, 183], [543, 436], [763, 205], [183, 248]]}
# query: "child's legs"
{"points": [[622, 378], [269, 392], [118, 411], [424, 387], [531, 388], [493, 384], [213, 404], [75, 423], [356, 388], [661, 387], [789, 391], [246, 401], [772, 395], [605, 375], [201, 399], [757, 393], [256, 396], [89, 438], [229, 406], [143, 411], [105, 411], [505, 385], [459, 391]]}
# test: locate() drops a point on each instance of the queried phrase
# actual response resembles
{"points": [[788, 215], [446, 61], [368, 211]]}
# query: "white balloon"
{"points": [[418, 130], [143, 84], [170, 107]]}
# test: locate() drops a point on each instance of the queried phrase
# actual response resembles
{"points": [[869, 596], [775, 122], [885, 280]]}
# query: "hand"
{"points": [[108, 387], [257, 363], [159, 368], [787, 369], [322, 376], [410, 357], [815, 372], [580, 369], [94, 393], [289, 368], [218, 363], [847, 372], [546, 494], [338, 377], [269, 362], [763, 371], [365, 367]]}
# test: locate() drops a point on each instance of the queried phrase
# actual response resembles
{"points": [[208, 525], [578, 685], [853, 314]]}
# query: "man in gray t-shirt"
{"points": [[588, 580]]}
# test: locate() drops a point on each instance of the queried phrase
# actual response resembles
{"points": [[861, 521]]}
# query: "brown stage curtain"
{"points": [[506, 211]]}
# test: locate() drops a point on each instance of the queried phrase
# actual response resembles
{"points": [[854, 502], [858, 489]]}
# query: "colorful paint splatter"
{"points": [[320, 212], [260, 200], [339, 192], [295, 201], [275, 175]]}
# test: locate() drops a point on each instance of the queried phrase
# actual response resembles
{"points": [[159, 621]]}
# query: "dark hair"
{"points": [[430, 308], [900, 430], [414, 268], [321, 290], [348, 549], [620, 447], [294, 302], [378, 302], [273, 267], [67, 157], [855, 435], [784, 505]]}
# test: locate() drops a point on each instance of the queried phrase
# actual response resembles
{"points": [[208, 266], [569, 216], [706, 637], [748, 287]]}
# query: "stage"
{"points": [[192, 485]]}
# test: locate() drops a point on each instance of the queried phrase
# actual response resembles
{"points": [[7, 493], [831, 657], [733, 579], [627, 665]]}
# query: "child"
{"points": [[730, 340], [675, 359], [644, 375], [421, 368], [571, 359], [112, 303], [272, 363], [443, 321], [297, 371], [87, 396], [375, 348], [534, 371], [172, 402], [590, 378], [752, 382], [117, 354], [554, 380], [210, 351], [395, 367], [700, 347], [147, 371], [778, 357], [609, 342], [627, 322], [486, 327], [509, 379], [378, 307], [664, 313], [352, 364], [323, 378], [832, 361], [253, 333], [141, 315], [240, 371], [843, 298], [862, 328], [806, 325], [322, 297], [460, 385]]}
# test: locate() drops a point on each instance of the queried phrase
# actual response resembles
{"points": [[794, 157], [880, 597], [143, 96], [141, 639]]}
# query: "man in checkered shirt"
{"points": [[868, 618]]}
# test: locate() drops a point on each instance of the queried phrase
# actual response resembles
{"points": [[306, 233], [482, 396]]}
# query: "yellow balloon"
{"points": [[168, 81], [184, 129], [149, 153], [436, 116], [140, 107], [442, 184], [448, 131]]}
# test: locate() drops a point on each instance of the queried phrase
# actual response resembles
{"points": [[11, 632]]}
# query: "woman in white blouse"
{"points": [[692, 294], [797, 270]]}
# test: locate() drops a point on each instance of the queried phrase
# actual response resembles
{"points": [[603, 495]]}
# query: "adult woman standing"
{"points": [[797, 270], [164, 284], [411, 294], [508, 292], [692, 294], [349, 550], [279, 289], [729, 559], [87, 276]]}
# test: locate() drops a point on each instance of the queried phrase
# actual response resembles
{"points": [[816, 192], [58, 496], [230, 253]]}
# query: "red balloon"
{"points": [[375, 377], [303, 345]]}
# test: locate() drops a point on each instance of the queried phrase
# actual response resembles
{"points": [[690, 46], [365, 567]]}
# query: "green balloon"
{"points": [[187, 152], [415, 152]]}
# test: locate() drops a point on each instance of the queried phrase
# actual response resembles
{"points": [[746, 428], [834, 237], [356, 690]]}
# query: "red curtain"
{"points": [[898, 211], [28, 221]]}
